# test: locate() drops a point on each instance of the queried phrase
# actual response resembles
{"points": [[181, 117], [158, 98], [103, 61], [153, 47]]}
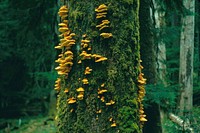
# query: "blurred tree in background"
{"points": [[27, 39]]}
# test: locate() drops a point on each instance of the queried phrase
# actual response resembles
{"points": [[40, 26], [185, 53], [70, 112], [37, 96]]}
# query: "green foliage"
{"points": [[27, 47], [163, 96]]}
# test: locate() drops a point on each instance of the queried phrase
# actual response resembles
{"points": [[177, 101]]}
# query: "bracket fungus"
{"points": [[87, 71], [106, 35], [101, 11], [80, 89], [71, 100], [113, 124], [85, 81]]}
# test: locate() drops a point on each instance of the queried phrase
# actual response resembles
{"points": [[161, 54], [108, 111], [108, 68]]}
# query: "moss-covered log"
{"points": [[101, 89]]}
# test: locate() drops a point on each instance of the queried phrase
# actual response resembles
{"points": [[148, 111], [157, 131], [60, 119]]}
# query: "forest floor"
{"points": [[28, 125]]}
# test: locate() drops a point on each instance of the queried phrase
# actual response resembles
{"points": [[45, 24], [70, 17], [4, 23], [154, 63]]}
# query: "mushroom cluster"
{"points": [[80, 90], [113, 122], [57, 84], [66, 41], [101, 12], [141, 94]]}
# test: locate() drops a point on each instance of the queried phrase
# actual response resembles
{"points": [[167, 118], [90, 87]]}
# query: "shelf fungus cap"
{"points": [[102, 85], [141, 111], [106, 35], [112, 102], [85, 41], [85, 81], [99, 111], [71, 100], [64, 7], [102, 91], [101, 59], [80, 96], [143, 119], [57, 88], [62, 24], [80, 89], [68, 52], [142, 82], [66, 90], [108, 104], [102, 6], [114, 125], [63, 29]]}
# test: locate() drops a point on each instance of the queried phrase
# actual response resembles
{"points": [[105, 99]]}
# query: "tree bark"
{"points": [[186, 59], [118, 108]]}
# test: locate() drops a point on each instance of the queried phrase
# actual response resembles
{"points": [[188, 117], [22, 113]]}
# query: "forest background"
{"points": [[29, 33]]}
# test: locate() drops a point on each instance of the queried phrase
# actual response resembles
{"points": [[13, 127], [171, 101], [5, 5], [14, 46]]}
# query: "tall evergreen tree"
{"points": [[100, 82]]}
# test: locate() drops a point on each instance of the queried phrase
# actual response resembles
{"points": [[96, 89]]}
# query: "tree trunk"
{"points": [[103, 91], [160, 24], [186, 59], [148, 56]]}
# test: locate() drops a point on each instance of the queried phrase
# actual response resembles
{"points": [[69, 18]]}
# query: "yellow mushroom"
{"points": [[57, 88], [85, 41], [58, 47], [71, 100], [85, 81], [141, 111], [62, 24], [80, 89], [100, 16], [102, 6], [143, 119], [106, 35], [112, 102], [99, 111], [68, 53], [89, 49], [80, 96], [102, 85], [87, 70], [113, 124], [64, 7], [105, 26], [101, 59], [66, 90], [101, 10], [61, 73], [79, 62], [102, 99], [142, 82], [108, 104], [102, 91], [63, 29]]}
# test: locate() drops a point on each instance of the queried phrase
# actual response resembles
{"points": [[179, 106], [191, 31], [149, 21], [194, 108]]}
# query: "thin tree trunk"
{"points": [[186, 59], [106, 68], [160, 24]]}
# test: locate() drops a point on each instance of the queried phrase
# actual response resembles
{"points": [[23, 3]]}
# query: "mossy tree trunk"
{"points": [[105, 67]]}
